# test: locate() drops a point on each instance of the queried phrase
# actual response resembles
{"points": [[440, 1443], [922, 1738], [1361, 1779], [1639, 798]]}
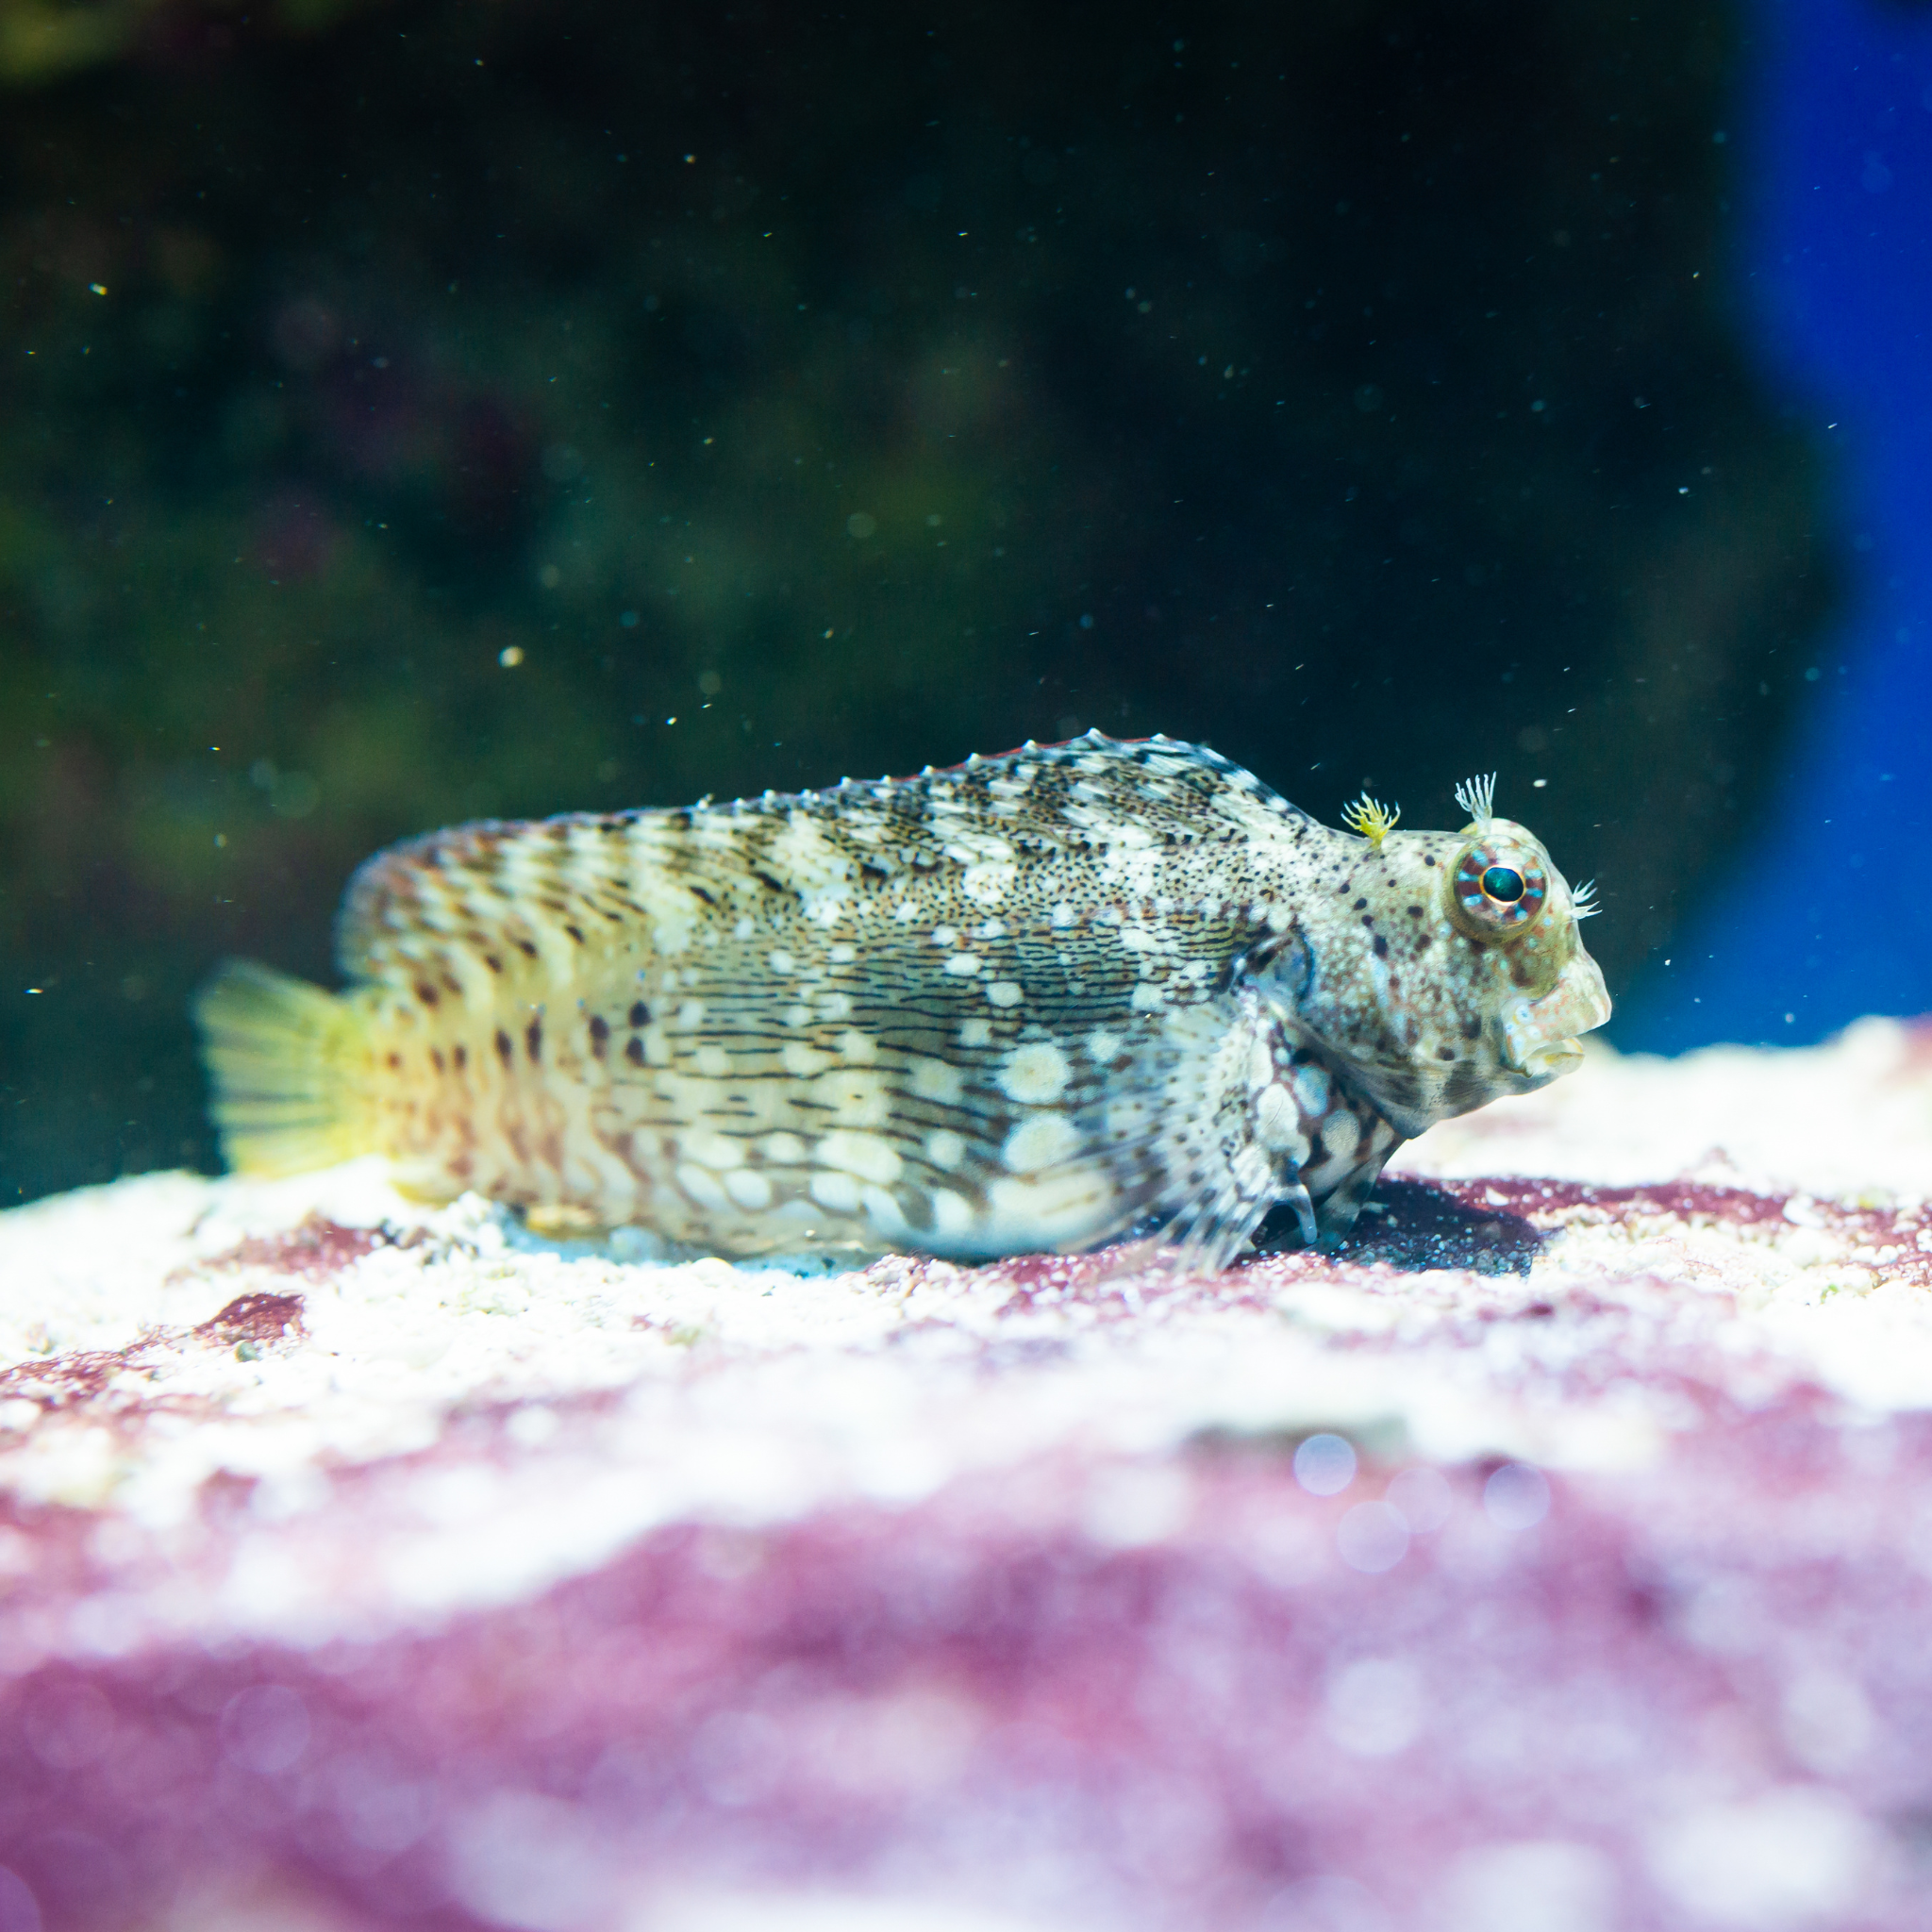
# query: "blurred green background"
{"points": [[418, 413]]}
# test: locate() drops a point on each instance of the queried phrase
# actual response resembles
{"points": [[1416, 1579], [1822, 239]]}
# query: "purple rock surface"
{"points": [[1555, 1560]]}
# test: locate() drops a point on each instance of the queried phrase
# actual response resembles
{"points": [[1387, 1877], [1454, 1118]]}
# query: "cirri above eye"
{"points": [[1498, 889]]}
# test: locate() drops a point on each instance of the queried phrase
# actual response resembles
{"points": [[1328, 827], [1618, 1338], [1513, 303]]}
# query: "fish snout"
{"points": [[1540, 1036]]}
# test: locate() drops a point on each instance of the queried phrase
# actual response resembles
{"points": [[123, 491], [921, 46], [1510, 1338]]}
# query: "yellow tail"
{"points": [[289, 1068]]}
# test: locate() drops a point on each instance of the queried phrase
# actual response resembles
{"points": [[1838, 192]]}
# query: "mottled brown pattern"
{"points": [[1035, 1002]]}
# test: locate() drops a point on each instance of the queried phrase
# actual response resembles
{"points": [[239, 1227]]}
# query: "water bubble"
{"points": [[1371, 1538], [1324, 1465], [1516, 1497]]}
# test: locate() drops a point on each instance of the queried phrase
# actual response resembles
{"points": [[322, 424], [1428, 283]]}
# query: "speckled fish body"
{"points": [[1037, 1001]]}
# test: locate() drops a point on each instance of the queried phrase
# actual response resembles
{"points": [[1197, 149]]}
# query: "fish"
{"points": [[1070, 995]]}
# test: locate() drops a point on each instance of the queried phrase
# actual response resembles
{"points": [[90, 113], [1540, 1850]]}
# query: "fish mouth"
{"points": [[1539, 1036]]}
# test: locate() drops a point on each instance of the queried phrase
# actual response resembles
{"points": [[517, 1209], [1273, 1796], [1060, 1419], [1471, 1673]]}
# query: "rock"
{"points": [[1557, 1556]]}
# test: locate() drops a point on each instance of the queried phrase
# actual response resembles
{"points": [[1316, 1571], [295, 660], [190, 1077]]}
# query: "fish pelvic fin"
{"points": [[287, 1063]]}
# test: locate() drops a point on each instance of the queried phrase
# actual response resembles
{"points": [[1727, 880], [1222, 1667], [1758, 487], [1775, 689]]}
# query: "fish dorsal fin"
{"points": [[493, 903], [490, 905]]}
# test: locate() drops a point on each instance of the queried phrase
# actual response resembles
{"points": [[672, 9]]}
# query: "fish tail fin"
{"points": [[285, 1062]]}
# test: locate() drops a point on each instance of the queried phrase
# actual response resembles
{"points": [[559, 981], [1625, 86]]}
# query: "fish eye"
{"points": [[1498, 889]]}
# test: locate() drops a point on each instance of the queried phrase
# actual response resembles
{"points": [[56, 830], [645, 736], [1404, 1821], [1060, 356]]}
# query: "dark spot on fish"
{"points": [[1415, 911], [770, 884], [634, 1053], [1472, 1026], [639, 1013], [490, 961], [1381, 947], [524, 948], [1360, 903], [427, 994], [599, 1033], [533, 1038], [436, 1059], [1445, 1052], [462, 1056], [573, 932], [700, 892], [395, 1060], [1429, 859], [504, 1051]]}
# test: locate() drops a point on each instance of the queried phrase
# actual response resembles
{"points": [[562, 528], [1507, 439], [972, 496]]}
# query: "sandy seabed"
{"points": [[1555, 1559]]}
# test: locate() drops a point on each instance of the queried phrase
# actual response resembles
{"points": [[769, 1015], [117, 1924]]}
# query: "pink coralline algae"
{"points": [[1558, 1556]]}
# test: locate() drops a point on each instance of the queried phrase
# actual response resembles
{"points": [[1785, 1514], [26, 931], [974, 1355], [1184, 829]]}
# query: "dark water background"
{"points": [[418, 413]]}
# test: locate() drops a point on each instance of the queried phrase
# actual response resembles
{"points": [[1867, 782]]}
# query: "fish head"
{"points": [[1436, 971]]}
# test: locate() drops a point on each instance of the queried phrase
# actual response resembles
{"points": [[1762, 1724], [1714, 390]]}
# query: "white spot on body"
{"points": [[1065, 1206], [785, 1150], [1006, 993], [749, 1188], [1278, 1120], [1149, 997], [702, 1188], [975, 1033], [691, 1013], [952, 1214], [1103, 1048], [1041, 1139], [1341, 1134], [837, 1191], [938, 1080], [800, 1060], [883, 1211], [944, 1149], [1311, 1090], [713, 1062], [987, 885], [865, 1154], [780, 962], [1035, 1075], [715, 1151], [963, 965]]}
